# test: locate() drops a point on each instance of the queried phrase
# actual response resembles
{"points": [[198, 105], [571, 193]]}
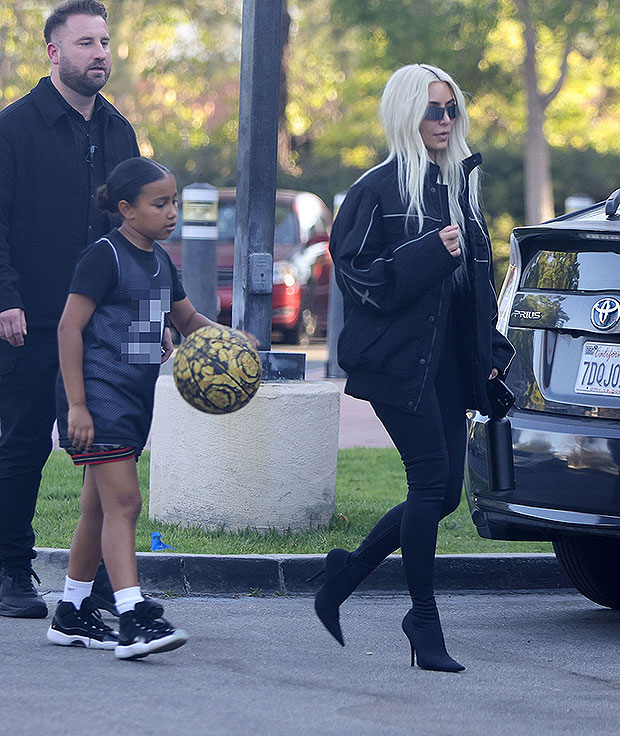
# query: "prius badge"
{"points": [[605, 313]]}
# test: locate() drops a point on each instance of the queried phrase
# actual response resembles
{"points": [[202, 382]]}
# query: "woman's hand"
{"points": [[80, 429], [494, 374], [450, 238]]}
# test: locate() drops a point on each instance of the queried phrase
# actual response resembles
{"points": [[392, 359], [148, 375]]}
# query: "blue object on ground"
{"points": [[157, 543]]}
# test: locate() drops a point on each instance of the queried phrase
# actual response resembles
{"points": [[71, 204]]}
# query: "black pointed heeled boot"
{"points": [[343, 576], [428, 649]]}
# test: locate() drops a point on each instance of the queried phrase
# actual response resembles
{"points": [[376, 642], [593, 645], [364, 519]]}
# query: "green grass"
{"points": [[369, 482]]}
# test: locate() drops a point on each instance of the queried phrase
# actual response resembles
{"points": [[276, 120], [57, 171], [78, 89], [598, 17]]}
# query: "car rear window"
{"points": [[285, 226], [572, 271]]}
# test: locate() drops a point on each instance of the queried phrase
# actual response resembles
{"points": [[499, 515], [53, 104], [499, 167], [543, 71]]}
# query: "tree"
{"points": [[21, 43], [176, 77], [554, 45], [560, 29]]}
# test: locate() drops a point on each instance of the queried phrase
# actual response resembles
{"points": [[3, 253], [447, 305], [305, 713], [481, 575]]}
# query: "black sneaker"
{"points": [[143, 631], [102, 594], [18, 597], [81, 628]]}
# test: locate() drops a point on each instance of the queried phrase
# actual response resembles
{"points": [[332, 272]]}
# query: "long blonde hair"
{"points": [[403, 106]]}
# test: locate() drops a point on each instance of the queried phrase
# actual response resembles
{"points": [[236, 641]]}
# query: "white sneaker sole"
{"points": [[74, 640], [140, 649]]}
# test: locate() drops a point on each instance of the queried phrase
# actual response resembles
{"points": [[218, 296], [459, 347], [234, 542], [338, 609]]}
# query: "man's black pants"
{"points": [[27, 413]]}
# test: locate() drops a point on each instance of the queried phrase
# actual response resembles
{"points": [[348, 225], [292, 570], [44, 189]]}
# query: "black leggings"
{"points": [[432, 448]]}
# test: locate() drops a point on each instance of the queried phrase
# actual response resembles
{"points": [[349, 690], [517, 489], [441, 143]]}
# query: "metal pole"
{"points": [[199, 244], [256, 183]]}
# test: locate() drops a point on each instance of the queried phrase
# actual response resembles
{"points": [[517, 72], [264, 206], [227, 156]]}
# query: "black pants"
{"points": [[27, 413], [432, 448]]}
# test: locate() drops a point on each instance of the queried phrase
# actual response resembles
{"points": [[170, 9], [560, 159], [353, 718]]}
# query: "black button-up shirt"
{"points": [[89, 142]]}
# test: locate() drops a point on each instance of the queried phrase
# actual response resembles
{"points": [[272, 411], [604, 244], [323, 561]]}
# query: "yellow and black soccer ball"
{"points": [[217, 369]]}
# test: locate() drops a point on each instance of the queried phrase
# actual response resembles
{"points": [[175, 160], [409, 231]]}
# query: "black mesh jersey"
{"points": [[133, 290]]}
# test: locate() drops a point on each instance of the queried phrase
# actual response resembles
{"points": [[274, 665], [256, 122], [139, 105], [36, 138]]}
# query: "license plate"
{"points": [[599, 369]]}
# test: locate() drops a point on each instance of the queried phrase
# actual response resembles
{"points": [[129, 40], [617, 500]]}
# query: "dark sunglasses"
{"points": [[437, 113]]}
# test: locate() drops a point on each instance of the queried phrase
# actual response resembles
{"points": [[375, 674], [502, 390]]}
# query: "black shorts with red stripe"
{"points": [[98, 454]]}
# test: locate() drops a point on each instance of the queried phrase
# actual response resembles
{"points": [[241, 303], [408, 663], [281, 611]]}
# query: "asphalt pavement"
{"points": [[536, 663], [540, 658]]}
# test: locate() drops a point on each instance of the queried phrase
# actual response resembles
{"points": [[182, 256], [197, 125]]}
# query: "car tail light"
{"points": [[284, 273], [509, 287]]}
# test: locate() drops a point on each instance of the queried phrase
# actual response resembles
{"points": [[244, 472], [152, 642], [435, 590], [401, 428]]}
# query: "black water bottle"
{"points": [[499, 454]]}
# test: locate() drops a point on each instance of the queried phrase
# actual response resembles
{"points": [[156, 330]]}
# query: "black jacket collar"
{"points": [[468, 164], [49, 103]]}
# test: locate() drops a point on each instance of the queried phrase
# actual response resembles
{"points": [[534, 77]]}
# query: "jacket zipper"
{"points": [[430, 352], [445, 212]]}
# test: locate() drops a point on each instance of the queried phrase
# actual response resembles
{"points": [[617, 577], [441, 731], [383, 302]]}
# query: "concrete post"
{"points": [[268, 466], [199, 233]]}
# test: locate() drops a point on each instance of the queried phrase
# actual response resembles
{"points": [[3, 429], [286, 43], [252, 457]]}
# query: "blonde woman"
{"points": [[413, 260]]}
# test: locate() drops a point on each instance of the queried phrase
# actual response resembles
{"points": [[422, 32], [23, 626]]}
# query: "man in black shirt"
{"points": [[57, 144]]}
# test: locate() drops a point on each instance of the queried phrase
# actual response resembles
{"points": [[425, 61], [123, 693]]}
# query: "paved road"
{"points": [[537, 664]]}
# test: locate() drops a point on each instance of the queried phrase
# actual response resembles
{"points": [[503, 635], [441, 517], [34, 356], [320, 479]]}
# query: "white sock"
{"points": [[76, 591], [127, 598]]}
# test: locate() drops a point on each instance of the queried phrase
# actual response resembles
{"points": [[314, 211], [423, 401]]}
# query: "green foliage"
{"points": [[447, 33], [175, 76], [176, 69], [22, 48], [369, 482]]}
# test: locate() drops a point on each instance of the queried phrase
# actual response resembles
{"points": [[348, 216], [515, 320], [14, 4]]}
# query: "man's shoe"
{"points": [[143, 631], [81, 628], [102, 594], [18, 596]]}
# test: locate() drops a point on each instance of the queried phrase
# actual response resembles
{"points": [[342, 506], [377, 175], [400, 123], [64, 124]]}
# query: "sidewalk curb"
{"points": [[271, 574]]}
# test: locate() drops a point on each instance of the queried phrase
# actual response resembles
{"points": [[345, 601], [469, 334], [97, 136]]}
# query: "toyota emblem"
{"points": [[605, 313]]}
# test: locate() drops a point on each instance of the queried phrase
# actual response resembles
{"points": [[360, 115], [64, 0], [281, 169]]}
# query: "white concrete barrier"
{"points": [[270, 465]]}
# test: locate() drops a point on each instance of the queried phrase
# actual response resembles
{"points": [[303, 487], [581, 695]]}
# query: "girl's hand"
{"points": [[494, 374], [167, 347], [81, 429], [450, 238], [252, 339]]}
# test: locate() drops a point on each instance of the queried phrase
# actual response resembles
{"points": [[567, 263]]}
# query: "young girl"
{"points": [[110, 344]]}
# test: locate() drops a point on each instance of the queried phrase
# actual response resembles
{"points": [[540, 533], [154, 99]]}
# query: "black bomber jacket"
{"points": [[397, 286]]}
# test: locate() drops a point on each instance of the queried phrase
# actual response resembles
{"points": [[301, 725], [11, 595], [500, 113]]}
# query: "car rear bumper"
{"points": [[567, 478], [285, 305]]}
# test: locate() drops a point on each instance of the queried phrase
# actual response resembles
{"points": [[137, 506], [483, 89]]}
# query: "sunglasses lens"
{"points": [[437, 113]]}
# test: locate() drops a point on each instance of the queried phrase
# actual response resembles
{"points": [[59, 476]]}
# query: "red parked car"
{"points": [[301, 263]]}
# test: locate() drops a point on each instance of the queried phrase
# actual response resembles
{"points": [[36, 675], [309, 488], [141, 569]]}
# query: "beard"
{"points": [[81, 82]]}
